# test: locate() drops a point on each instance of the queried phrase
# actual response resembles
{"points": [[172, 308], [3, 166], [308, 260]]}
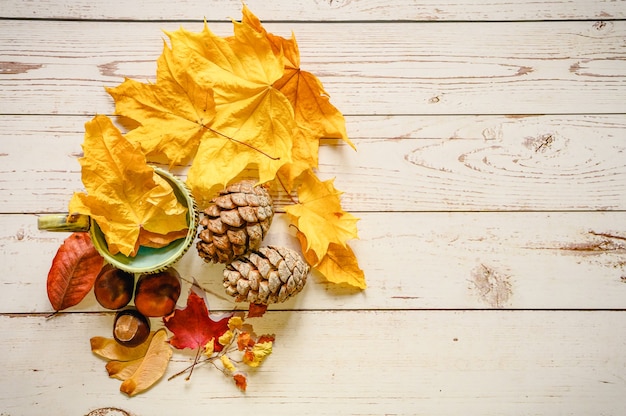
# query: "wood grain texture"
{"points": [[395, 362], [320, 10], [411, 260], [427, 163], [490, 179], [373, 68]]}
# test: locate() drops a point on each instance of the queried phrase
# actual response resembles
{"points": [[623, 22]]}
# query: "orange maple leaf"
{"points": [[124, 195], [315, 116]]}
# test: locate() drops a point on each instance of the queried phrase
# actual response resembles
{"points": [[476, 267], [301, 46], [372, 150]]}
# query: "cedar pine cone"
{"points": [[269, 275], [235, 222]]}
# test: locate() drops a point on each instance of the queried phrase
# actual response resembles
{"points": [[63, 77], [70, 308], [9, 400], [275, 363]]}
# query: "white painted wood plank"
{"points": [[329, 10], [349, 363], [442, 163], [411, 261], [374, 68]]}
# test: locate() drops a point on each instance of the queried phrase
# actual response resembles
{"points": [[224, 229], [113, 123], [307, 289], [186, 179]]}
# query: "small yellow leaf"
{"points": [[319, 215], [339, 265], [257, 354], [226, 338], [236, 322], [228, 364], [152, 367], [209, 348], [124, 194]]}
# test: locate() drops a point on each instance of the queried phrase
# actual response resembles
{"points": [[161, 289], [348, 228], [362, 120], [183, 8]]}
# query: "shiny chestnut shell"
{"points": [[130, 328], [156, 294], [113, 288]]}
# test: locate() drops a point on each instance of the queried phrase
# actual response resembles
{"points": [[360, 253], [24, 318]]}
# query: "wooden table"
{"points": [[490, 179]]}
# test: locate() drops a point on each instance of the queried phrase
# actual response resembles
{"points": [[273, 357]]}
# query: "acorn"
{"points": [[130, 328]]}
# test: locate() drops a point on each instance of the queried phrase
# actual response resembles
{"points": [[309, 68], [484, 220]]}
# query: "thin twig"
{"points": [[195, 361]]}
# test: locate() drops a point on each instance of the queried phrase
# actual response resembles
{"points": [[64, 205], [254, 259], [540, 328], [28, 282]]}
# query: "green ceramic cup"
{"points": [[147, 260]]}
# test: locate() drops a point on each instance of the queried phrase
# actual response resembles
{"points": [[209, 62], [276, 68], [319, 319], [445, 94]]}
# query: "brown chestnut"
{"points": [[130, 328], [156, 294], [113, 287]]}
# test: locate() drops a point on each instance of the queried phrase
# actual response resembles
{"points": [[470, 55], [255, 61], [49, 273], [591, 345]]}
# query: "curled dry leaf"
{"points": [[256, 310], [254, 356], [124, 195], [73, 272], [241, 381], [138, 367]]}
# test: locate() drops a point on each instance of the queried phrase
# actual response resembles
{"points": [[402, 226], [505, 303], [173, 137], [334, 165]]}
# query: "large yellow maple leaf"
{"points": [[319, 215], [254, 122], [124, 195], [173, 114], [214, 101]]}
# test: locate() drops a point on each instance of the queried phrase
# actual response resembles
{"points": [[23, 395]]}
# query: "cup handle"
{"points": [[64, 222]]}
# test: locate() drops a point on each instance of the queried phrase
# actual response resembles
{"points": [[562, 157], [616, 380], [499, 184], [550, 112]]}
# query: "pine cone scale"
{"points": [[269, 275], [235, 222]]}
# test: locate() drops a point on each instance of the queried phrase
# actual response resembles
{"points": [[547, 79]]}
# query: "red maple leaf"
{"points": [[193, 327]]}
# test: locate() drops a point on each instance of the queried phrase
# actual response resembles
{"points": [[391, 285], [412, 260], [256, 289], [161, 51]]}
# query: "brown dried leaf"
{"points": [[152, 366]]}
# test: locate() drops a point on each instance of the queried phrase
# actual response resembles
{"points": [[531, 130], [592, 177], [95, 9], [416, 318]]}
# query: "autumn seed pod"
{"points": [[235, 222], [269, 275]]}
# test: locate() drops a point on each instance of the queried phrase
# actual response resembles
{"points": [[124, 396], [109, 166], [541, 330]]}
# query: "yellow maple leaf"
{"points": [[124, 194], [254, 122], [173, 114], [319, 215], [228, 364]]}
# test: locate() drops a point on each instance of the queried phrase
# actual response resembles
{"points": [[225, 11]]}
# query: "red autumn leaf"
{"points": [[193, 327], [73, 272], [256, 310], [241, 381]]}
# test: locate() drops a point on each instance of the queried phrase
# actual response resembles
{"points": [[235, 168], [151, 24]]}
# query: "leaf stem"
{"points": [[243, 143]]}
